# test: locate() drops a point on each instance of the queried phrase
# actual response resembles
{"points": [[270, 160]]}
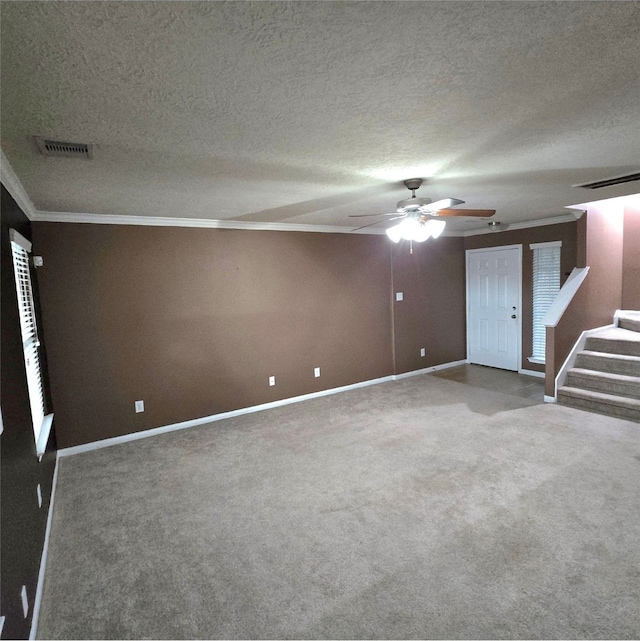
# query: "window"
{"points": [[20, 248], [546, 285]]}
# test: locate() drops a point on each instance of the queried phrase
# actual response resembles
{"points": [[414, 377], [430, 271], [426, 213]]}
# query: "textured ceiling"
{"points": [[306, 112]]}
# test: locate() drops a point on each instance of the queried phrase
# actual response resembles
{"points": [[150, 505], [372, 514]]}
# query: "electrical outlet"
{"points": [[423, 351], [272, 380], [25, 602], [139, 406], [316, 372], [399, 296], [39, 492]]}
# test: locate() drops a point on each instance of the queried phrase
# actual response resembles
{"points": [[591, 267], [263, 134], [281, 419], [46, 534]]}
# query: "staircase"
{"points": [[605, 377]]}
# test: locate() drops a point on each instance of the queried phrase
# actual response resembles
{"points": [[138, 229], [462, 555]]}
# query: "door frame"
{"points": [[519, 296]]}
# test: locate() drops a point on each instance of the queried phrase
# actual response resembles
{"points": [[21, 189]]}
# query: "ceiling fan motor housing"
{"points": [[413, 183], [413, 204]]}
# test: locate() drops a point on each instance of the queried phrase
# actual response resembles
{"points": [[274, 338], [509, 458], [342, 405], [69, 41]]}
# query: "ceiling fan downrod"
{"points": [[412, 184]]}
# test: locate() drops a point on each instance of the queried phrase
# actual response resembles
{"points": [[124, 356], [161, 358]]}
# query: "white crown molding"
{"points": [[13, 185], [159, 221], [540, 222]]}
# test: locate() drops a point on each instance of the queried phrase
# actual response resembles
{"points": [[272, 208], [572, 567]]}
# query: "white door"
{"points": [[493, 306]]}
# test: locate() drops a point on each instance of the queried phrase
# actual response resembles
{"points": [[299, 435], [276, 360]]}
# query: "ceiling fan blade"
{"points": [[378, 222], [480, 213], [442, 204], [395, 213]]}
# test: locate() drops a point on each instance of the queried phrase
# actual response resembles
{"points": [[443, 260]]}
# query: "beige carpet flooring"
{"points": [[423, 508]]}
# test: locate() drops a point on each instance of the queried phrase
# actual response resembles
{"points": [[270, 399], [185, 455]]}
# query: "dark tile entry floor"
{"points": [[498, 380]]}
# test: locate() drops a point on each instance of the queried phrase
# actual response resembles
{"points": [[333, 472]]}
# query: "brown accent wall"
{"points": [[432, 312], [631, 259], [597, 300], [581, 233], [568, 233], [194, 321], [603, 285], [23, 522], [561, 339]]}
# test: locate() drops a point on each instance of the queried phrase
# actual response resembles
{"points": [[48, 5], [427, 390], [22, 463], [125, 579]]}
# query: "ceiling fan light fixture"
{"points": [[414, 229], [421, 216], [421, 234], [408, 229], [395, 233], [436, 227]]}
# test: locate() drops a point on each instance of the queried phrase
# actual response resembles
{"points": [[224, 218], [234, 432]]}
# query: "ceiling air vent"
{"points": [[62, 149], [609, 182]]}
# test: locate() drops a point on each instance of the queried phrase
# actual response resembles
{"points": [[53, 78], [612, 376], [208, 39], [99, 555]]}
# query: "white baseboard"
{"points": [[116, 440], [429, 370], [43, 560], [550, 399], [531, 372]]}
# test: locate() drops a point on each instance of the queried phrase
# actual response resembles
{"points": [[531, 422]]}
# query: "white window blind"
{"points": [[20, 248], [546, 285]]}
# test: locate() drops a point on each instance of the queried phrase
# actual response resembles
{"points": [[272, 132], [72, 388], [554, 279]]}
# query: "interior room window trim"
{"points": [[545, 287], [20, 250]]}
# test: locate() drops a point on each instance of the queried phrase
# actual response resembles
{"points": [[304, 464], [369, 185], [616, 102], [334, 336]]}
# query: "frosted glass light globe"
{"points": [[436, 227]]}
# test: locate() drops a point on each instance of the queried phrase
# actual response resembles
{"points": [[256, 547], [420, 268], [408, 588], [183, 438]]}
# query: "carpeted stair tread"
{"points": [[613, 363], [605, 377], [618, 333], [615, 341], [629, 320], [610, 404], [607, 382]]}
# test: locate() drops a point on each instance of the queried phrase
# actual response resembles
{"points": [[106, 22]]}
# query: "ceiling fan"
{"points": [[419, 215]]}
